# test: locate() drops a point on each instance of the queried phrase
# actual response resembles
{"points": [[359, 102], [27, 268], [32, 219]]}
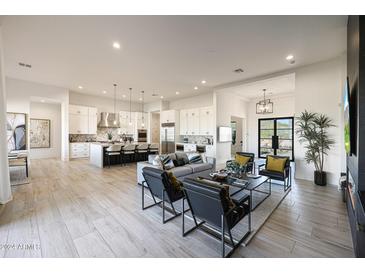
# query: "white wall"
{"points": [[284, 106], [200, 100], [103, 104], [319, 88], [21, 93], [227, 105], [53, 113]]}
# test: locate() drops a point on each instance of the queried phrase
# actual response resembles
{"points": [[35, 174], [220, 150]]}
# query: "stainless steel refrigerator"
{"points": [[167, 138]]}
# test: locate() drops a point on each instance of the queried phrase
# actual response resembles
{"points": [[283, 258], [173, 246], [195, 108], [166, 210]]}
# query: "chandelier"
{"points": [[264, 106]]}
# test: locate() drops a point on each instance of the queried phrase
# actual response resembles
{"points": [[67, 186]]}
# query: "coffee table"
{"points": [[249, 182]]}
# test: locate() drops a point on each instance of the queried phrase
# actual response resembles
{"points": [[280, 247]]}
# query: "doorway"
{"points": [[237, 135], [276, 137]]}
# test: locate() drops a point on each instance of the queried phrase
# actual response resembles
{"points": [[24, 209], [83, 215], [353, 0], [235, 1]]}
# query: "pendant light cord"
{"points": [[130, 105]]}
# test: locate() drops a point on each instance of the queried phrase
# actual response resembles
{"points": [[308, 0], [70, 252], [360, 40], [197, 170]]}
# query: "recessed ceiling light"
{"points": [[204, 82], [140, 99], [43, 100], [196, 88], [124, 96], [177, 92], [80, 87], [116, 45], [161, 97], [290, 57], [104, 91]]}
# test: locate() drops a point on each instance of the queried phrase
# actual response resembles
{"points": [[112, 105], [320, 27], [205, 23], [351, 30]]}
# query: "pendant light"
{"points": [[130, 106], [115, 104], [264, 106], [142, 96]]}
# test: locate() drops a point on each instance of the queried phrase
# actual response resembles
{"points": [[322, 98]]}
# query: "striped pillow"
{"points": [[195, 158], [167, 162]]}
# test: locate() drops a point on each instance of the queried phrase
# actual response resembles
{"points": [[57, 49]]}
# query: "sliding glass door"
{"points": [[276, 137]]}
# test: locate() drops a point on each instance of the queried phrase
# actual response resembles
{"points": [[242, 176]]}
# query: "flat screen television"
{"points": [[347, 118], [224, 134]]}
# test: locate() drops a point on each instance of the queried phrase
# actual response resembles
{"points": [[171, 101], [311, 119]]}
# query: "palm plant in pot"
{"points": [[312, 131]]}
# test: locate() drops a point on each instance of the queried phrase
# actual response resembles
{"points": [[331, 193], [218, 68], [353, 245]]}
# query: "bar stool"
{"points": [[128, 150], [142, 152], [113, 150], [153, 148]]}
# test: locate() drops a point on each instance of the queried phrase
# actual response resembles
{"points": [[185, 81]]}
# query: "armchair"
{"points": [[212, 204], [161, 187], [250, 165], [284, 175]]}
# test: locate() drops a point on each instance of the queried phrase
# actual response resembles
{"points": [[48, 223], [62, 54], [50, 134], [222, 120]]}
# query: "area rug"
{"points": [[258, 217]]}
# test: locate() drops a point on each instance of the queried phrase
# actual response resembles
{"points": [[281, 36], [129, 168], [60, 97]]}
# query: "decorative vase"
{"points": [[320, 178]]}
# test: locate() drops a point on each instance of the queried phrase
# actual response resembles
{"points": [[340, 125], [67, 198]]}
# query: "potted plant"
{"points": [[312, 130], [110, 136]]}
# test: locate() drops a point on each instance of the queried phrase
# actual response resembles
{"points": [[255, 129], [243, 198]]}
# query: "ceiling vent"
{"points": [[238, 70], [154, 94], [24, 65]]}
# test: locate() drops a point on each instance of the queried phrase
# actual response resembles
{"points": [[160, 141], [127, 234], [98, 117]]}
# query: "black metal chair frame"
{"points": [[287, 176], [161, 203], [251, 163], [234, 245]]}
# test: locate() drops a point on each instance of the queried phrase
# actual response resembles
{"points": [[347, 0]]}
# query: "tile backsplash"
{"points": [[196, 139], [102, 135]]}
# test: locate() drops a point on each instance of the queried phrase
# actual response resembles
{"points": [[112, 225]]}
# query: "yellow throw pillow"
{"points": [[242, 160], [176, 184], [275, 164]]}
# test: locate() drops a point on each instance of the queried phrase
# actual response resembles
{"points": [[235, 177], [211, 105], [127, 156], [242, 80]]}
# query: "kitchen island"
{"points": [[97, 153]]}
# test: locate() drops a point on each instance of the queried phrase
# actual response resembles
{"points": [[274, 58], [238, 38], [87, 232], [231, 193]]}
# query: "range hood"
{"points": [[109, 120]]}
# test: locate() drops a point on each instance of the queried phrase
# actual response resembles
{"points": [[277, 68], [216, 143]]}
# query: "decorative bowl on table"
{"points": [[219, 175]]}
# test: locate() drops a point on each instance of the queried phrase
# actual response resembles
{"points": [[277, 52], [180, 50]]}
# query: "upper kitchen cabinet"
{"points": [[206, 121], [193, 121], [82, 120], [197, 121], [142, 120], [168, 116], [184, 128], [127, 122]]}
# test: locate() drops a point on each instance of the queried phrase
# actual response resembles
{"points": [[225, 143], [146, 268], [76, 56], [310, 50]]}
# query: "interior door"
{"points": [[276, 137]]}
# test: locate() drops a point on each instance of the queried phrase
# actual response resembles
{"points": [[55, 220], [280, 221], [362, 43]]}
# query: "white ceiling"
{"points": [[275, 86], [163, 54]]}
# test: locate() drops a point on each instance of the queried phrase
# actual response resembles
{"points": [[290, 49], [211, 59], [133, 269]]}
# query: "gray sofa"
{"points": [[179, 171]]}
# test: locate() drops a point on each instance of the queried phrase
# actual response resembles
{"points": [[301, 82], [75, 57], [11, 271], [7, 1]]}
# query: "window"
{"points": [[276, 137]]}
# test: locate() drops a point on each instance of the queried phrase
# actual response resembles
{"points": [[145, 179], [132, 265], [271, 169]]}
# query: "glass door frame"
{"points": [[275, 134]]}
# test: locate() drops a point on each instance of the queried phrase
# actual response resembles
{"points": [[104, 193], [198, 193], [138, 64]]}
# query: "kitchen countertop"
{"points": [[192, 144]]}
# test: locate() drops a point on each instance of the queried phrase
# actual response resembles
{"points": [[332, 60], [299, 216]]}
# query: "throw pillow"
{"points": [[241, 159], [183, 157], [275, 164], [195, 158], [179, 162], [157, 162], [167, 162], [176, 184]]}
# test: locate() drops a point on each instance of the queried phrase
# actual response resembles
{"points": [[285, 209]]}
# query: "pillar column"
{"points": [[5, 189]]}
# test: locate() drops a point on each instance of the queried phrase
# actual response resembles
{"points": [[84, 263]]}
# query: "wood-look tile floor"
{"points": [[71, 209]]}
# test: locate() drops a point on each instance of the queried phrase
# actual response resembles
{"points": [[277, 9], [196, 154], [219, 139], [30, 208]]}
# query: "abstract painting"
{"points": [[16, 131], [40, 136]]}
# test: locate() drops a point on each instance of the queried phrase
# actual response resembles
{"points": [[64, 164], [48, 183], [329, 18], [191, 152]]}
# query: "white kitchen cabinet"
{"points": [[93, 121], [78, 124], [79, 150], [82, 120], [127, 122], [168, 116], [206, 121], [184, 127], [197, 121], [78, 110], [193, 121], [142, 122]]}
